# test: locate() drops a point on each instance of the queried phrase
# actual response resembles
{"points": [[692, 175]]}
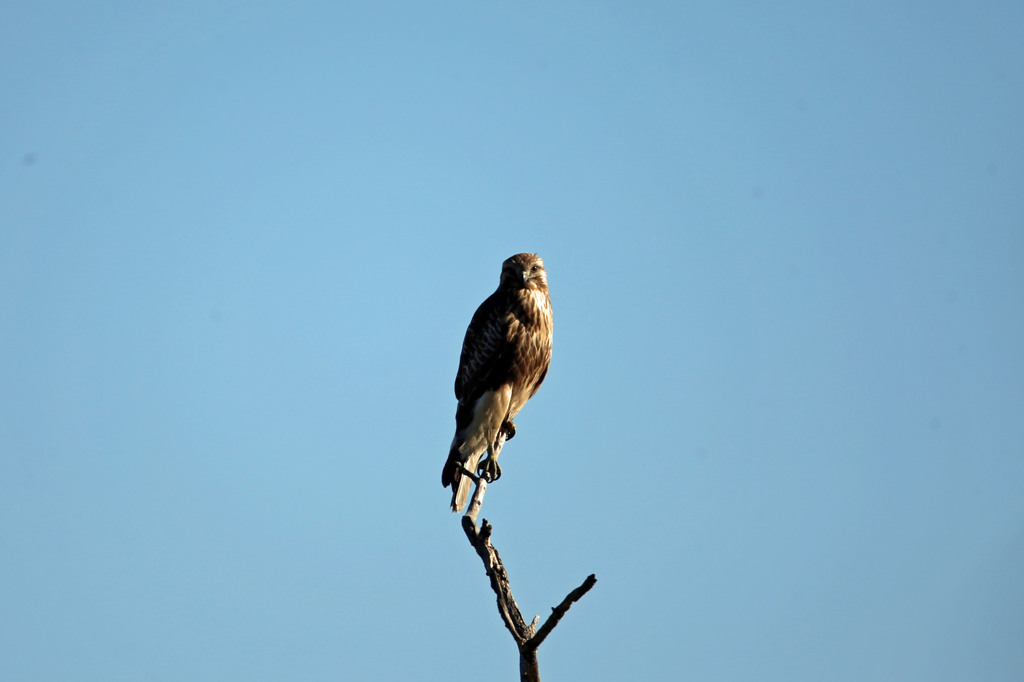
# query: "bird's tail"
{"points": [[460, 483]]}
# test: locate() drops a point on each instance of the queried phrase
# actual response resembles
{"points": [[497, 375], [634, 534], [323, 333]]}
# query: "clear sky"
{"points": [[240, 243]]}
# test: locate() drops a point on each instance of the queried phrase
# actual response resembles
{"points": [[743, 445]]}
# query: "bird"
{"points": [[505, 358]]}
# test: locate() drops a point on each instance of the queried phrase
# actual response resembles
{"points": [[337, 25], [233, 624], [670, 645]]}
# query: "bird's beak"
{"points": [[526, 276]]}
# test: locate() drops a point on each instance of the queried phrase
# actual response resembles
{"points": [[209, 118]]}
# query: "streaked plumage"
{"points": [[505, 357]]}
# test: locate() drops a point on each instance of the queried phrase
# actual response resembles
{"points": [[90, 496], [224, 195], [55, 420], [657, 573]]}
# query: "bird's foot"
{"points": [[490, 470], [510, 430], [466, 472]]}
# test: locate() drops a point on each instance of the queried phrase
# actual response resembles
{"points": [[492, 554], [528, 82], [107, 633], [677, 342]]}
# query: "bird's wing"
{"points": [[484, 360]]}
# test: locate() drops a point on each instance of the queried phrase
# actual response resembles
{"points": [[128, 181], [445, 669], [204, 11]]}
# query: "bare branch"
{"points": [[527, 637], [477, 502], [507, 607], [561, 610]]}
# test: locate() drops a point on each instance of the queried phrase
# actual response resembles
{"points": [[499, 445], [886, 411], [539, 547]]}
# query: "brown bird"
{"points": [[505, 357]]}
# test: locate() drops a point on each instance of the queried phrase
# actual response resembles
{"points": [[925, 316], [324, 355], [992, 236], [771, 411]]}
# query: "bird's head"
{"points": [[524, 271]]}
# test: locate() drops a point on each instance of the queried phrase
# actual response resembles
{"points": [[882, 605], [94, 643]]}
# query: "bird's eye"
{"points": [[535, 268]]}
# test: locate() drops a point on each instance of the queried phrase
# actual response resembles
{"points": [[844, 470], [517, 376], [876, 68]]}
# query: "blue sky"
{"points": [[784, 423]]}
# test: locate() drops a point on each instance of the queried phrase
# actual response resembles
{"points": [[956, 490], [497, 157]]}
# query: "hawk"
{"points": [[505, 357]]}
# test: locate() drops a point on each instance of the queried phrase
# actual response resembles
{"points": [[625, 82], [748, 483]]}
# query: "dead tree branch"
{"points": [[528, 638], [561, 610]]}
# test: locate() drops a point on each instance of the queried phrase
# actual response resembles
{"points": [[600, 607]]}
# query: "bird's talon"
{"points": [[490, 470], [510, 430]]}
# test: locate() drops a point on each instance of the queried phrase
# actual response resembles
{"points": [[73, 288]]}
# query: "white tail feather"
{"points": [[465, 483]]}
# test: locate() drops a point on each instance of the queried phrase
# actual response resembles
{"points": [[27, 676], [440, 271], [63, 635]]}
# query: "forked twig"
{"points": [[528, 638]]}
